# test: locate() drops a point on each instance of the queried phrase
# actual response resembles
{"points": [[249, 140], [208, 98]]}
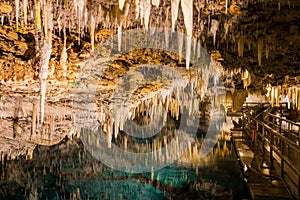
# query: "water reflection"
{"points": [[68, 171]]}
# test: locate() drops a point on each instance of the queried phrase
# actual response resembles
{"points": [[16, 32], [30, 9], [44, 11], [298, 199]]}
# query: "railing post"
{"points": [[262, 139], [298, 175], [256, 134], [280, 124], [271, 148], [282, 167]]}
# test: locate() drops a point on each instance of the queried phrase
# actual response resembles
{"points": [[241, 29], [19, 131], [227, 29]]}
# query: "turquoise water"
{"points": [[68, 171]]}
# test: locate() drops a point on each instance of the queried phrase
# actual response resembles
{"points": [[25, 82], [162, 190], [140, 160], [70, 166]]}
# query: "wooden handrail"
{"points": [[285, 139], [287, 120], [271, 139]]}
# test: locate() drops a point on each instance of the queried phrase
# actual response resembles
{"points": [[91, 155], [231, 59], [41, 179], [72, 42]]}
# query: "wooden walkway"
{"points": [[269, 153]]}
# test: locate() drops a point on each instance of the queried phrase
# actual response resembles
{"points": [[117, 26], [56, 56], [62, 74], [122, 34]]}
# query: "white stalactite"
{"points": [[187, 9], [155, 3], [64, 56], [167, 28], [180, 46], [214, 27], [137, 8], [17, 4], [121, 4], [188, 51], [25, 3], [146, 13], [174, 12], [45, 54], [259, 50], [119, 37], [241, 46], [92, 32]]}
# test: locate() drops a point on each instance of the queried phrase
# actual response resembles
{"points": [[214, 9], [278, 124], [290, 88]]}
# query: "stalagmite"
{"points": [[121, 4], [259, 50], [187, 9], [17, 4], [174, 12]]}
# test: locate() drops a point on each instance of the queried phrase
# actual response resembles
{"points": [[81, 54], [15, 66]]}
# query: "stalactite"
{"points": [[180, 46], [34, 115], [45, 53], [267, 51], [214, 27], [189, 150], [119, 38], [174, 12], [17, 4], [167, 27], [155, 3], [25, 4], [64, 56], [188, 51], [272, 96], [259, 50], [226, 28], [92, 31], [79, 8], [241, 46], [146, 13], [85, 21], [277, 92], [187, 9], [137, 8], [121, 4]]}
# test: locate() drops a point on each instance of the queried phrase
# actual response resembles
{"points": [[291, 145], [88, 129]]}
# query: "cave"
{"points": [[124, 99]]}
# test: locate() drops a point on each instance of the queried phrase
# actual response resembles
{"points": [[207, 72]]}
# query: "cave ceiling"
{"points": [[261, 36]]}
